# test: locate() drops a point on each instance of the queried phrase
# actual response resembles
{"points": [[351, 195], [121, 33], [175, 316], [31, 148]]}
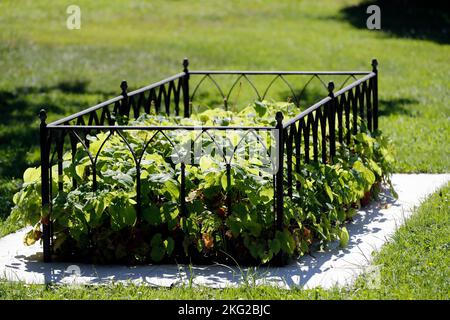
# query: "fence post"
{"points": [[279, 178], [183, 190], [332, 120], [45, 196], [186, 101], [124, 106], [279, 191], [375, 94]]}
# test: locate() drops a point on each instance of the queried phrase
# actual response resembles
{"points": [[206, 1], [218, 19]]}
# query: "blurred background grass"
{"points": [[45, 65]]}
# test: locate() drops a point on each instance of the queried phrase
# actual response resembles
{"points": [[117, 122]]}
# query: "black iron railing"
{"points": [[336, 115]]}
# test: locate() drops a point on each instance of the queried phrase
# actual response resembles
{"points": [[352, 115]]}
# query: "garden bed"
{"points": [[253, 186]]}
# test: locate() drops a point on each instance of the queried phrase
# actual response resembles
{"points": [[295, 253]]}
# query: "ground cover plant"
{"points": [[224, 219]]}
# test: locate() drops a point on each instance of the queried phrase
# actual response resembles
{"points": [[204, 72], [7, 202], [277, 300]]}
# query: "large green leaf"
{"points": [[260, 108], [274, 246], [31, 175], [158, 249], [367, 174], [169, 244], [206, 163], [343, 237], [152, 214], [123, 214], [328, 191], [286, 240], [173, 189]]}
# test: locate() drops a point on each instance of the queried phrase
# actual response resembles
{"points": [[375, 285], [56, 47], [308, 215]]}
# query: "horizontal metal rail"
{"points": [[217, 72], [149, 128], [326, 99], [157, 84], [354, 84], [116, 99], [306, 112], [250, 72], [86, 111]]}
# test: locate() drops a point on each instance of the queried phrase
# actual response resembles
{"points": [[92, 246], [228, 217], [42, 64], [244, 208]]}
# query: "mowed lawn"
{"points": [[45, 65]]}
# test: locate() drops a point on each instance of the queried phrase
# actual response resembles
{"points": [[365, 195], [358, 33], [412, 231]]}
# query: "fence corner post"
{"points": [[375, 94], [45, 195], [279, 191], [374, 65], [186, 99], [332, 120]]}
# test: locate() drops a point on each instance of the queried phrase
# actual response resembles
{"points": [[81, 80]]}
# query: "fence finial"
{"points": [[374, 65], [279, 117], [124, 87], [330, 88], [185, 65], [42, 115]]}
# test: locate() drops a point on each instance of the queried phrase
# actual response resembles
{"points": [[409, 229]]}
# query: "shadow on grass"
{"points": [[416, 19], [19, 131], [386, 107], [396, 107], [19, 128]]}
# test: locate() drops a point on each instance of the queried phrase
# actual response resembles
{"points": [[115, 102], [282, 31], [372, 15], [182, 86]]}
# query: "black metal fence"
{"points": [[333, 118]]}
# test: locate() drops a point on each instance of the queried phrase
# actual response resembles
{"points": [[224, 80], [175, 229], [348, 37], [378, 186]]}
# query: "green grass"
{"points": [[6, 227], [43, 64], [415, 264]]}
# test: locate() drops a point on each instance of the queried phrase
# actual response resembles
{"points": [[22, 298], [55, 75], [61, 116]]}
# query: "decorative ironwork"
{"points": [[312, 133]]}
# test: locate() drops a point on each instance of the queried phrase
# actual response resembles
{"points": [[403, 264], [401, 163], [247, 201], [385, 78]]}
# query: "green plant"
{"points": [[223, 215]]}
